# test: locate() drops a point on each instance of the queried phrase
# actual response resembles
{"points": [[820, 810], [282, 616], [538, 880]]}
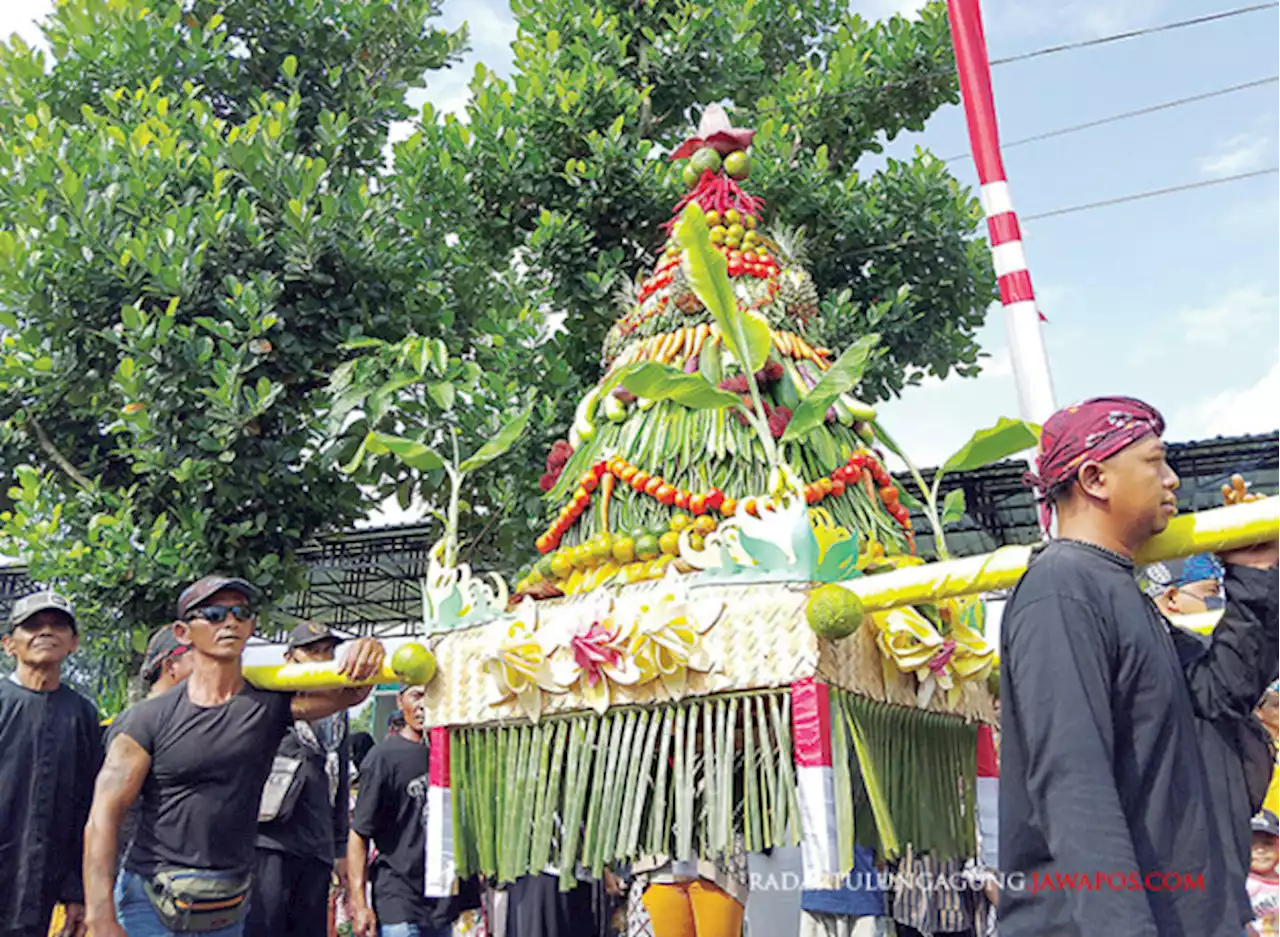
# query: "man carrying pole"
{"points": [[197, 757], [1126, 763]]}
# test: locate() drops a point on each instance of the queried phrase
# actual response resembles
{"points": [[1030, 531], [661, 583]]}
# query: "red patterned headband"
{"points": [[1091, 431]]}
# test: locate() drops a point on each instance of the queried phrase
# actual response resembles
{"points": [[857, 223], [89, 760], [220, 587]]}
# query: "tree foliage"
{"points": [[191, 227]]}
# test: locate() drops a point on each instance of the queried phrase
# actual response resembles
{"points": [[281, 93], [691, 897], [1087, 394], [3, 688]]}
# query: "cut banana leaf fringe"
{"points": [[587, 791], [913, 772]]}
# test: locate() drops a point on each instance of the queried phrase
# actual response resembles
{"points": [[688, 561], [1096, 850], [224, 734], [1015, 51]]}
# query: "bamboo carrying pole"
{"points": [[1206, 532], [1239, 525]]}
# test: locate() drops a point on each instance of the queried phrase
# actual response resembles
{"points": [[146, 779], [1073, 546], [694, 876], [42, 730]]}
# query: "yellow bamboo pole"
{"points": [[1239, 525], [412, 663]]}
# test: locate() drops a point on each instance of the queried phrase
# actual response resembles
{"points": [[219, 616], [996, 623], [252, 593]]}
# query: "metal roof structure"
{"points": [[366, 581]]}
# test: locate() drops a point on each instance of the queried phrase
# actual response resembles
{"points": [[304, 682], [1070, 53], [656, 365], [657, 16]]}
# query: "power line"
{"points": [[1138, 196], [1023, 56], [1133, 33], [1074, 209], [1115, 118]]}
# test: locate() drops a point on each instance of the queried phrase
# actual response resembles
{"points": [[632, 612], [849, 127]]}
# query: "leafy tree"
{"points": [[559, 173], [191, 227]]}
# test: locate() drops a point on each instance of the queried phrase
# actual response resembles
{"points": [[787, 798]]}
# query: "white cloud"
{"points": [[1069, 20], [1244, 152], [19, 16], [1242, 310], [1235, 412]]}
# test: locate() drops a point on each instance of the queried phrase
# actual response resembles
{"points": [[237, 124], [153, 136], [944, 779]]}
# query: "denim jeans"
{"points": [[139, 919], [407, 930]]}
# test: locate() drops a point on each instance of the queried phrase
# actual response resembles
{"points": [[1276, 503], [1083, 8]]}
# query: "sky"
{"points": [[1172, 299]]}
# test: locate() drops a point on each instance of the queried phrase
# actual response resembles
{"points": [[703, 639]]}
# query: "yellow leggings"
{"points": [[692, 909]]}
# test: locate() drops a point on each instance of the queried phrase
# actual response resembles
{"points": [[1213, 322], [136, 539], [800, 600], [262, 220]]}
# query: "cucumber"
{"points": [[861, 411], [709, 363]]}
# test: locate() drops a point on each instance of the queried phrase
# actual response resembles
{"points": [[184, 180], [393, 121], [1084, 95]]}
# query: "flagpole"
{"points": [[1022, 318]]}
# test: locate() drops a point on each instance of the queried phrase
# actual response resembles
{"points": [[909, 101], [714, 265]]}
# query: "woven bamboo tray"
{"points": [[760, 641]]}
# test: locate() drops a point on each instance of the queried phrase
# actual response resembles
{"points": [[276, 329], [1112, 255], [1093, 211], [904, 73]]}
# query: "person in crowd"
{"points": [[1185, 587], [1119, 754], [166, 664], [1264, 885], [391, 814], [50, 749], [302, 831], [196, 759], [395, 724], [1268, 713], [361, 744]]}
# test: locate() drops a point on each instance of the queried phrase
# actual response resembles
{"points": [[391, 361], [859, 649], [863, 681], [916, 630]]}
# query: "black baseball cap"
{"points": [[42, 601], [1266, 822], [311, 632], [193, 595], [162, 646]]}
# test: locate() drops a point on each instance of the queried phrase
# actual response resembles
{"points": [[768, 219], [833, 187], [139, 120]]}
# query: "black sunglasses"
{"points": [[217, 614]]}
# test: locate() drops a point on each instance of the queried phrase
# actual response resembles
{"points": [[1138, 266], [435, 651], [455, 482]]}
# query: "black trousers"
{"points": [[290, 896]]}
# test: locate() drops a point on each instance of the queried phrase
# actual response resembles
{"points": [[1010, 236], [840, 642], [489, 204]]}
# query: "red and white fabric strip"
{"points": [[988, 799], [441, 863], [815, 782]]}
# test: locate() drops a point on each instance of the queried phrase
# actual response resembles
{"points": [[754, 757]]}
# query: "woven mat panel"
{"points": [[761, 641]]}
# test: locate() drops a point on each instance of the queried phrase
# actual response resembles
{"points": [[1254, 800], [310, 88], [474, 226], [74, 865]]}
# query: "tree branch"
{"points": [[58, 458]]}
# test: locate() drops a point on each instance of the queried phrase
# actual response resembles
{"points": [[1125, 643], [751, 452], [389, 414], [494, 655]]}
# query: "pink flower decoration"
{"points": [[593, 652], [714, 131], [938, 663]]}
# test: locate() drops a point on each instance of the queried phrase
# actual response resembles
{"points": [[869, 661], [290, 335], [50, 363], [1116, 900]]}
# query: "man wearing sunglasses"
{"points": [[196, 760]]}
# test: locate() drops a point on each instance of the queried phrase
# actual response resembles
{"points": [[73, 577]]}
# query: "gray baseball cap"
{"points": [[42, 601], [200, 590]]}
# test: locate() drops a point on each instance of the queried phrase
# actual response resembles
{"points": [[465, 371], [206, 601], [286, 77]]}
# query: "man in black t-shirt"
{"points": [[304, 841], [196, 759], [391, 811]]}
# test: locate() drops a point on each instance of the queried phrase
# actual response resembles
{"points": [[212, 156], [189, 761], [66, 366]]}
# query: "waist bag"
{"points": [[197, 900]]}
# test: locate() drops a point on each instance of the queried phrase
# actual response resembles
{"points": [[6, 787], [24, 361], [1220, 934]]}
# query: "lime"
{"points": [[717, 234], [732, 242], [669, 543], [581, 558], [624, 549], [561, 564], [736, 231], [704, 524], [697, 541], [713, 218], [647, 547], [737, 165], [705, 159], [690, 176], [733, 216], [833, 612], [601, 546], [680, 520], [543, 568], [414, 664]]}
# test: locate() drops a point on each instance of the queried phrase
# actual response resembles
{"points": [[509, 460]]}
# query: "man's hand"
{"points": [[362, 659], [107, 928], [364, 922], [1260, 555], [74, 925], [340, 872]]}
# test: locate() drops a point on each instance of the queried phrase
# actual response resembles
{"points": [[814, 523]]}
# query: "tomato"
{"points": [[543, 544], [704, 524], [698, 505], [666, 494], [588, 482], [729, 508], [837, 487], [824, 485], [811, 494], [735, 269], [628, 473], [616, 465], [682, 500], [751, 507], [600, 469], [715, 498], [581, 496], [639, 480], [748, 257], [889, 495], [652, 485]]}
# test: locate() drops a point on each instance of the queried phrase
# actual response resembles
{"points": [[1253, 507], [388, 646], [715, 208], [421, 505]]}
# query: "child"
{"points": [[1264, 886]]}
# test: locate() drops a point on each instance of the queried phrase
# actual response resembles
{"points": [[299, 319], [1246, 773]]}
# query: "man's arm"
{"points": [[1229, 675], [342, 802], [117, 788], [1058, 702], [88, 763], [361, 659], [358, 875]]}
